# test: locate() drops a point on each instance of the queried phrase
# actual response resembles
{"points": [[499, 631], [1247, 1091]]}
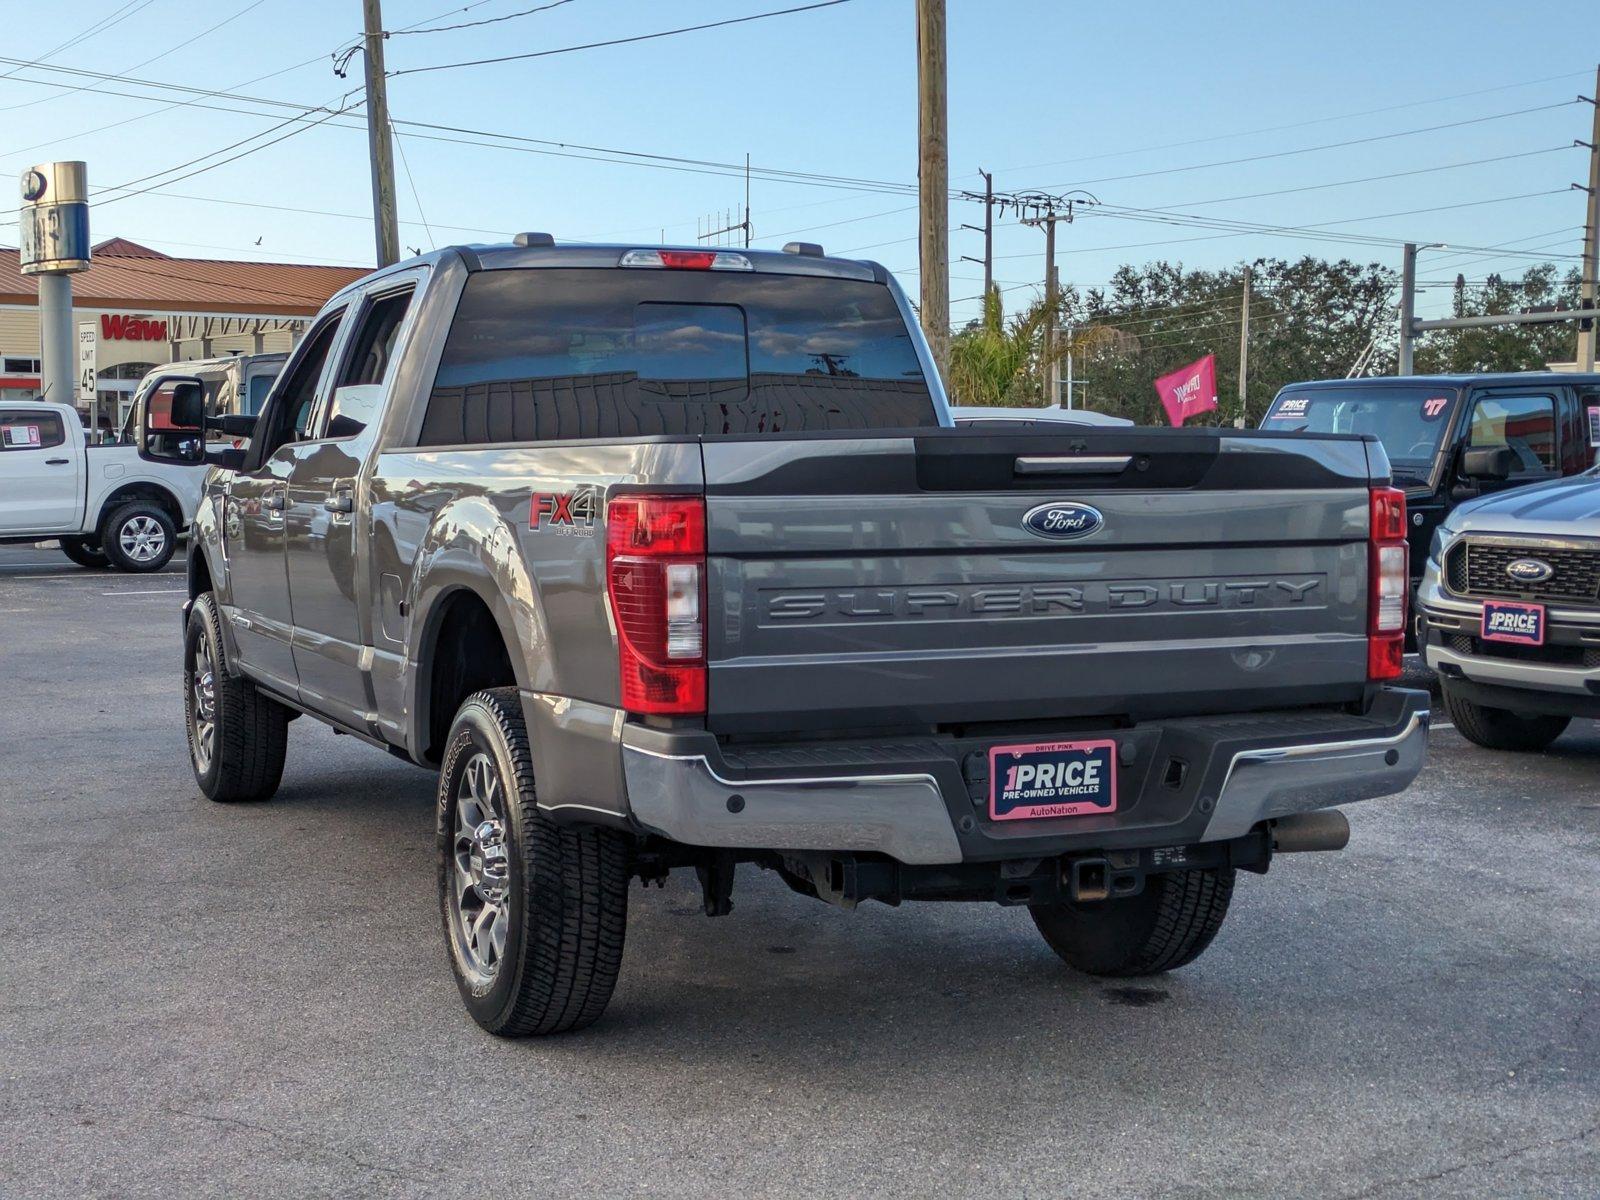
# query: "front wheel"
{"points": [[86, 552], [139, 537], [1499, 728], [1164, 927], [534, 912], [238, 738]]}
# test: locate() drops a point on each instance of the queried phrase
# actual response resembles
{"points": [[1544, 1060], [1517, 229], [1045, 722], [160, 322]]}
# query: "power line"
{"points": [[153, 58], [527, 12], [642, 37], [1362, 141], [406, 164], [1369, 112], [115, 17]]}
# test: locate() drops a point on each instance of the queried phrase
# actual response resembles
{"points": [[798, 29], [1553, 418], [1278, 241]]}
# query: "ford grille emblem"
{"points": [[1530, 570], [1063, 520]]}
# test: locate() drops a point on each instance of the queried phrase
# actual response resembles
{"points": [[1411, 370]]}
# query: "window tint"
{"points": [[1527, 424], [541, 354], [21, 429], [352, 408], [373, 348], [256, 389], [296, 400]]}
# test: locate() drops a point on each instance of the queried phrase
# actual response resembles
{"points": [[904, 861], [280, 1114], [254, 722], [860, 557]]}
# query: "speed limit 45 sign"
{"points": [[87, 379]]}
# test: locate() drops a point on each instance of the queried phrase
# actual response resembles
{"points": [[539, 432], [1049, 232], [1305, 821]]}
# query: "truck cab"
{"points": [[1453, 438]]}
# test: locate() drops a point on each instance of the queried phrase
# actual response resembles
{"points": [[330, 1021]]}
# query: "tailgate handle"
{"points": [[1060, 464]]}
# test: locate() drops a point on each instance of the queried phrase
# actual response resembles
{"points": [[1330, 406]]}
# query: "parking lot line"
{"points": [[147, 592]]}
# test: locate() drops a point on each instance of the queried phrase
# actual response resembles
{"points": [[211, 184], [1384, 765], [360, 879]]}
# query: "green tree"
{"points": [[999, 363], [1504, 347]]}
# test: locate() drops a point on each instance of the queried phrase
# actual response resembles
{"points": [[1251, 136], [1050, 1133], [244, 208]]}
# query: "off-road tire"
{"points": [[251, 730], [567, 898], [86, 552], [1499, 728], [1164, 927], [142, 514]]}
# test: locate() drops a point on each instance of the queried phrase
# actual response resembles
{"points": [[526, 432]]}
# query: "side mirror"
{"points": [[171, 420], [1488, 462]]}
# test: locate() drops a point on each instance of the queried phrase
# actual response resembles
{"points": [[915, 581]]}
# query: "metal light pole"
{"points": [[1408, 304]]}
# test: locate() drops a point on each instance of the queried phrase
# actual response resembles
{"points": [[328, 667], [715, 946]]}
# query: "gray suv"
{"points": [[671, 559]]}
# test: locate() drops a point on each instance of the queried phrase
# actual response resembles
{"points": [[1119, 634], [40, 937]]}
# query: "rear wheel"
{"points": [[237, 737], [1500, 728], [534, 912], [1166, 926], [86, 552], [139, 537]]}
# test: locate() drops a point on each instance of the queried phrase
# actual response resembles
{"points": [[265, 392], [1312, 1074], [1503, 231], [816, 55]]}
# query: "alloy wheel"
{"points": [[480, 868], [142, 538], [203, 706]]}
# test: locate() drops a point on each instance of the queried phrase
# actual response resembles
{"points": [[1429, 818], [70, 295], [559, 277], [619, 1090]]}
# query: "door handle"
{"points": [[339, 503], [272, 502], [56, 462]]}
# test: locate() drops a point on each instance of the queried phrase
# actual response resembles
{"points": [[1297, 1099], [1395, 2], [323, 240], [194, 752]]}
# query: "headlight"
{"points": [[1440, 536]]}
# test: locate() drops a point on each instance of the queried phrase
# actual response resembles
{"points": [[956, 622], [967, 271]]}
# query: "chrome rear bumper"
{"points": [[909, 816]]}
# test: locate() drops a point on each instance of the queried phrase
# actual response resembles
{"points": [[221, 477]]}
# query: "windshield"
{"points": [[1409, 421]]}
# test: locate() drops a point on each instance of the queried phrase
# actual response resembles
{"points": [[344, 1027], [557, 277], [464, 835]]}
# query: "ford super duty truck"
{"points": [[672, 559], [1510, 612]]}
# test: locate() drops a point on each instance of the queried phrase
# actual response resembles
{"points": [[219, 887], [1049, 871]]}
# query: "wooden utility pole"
{"points": [[933, 179], [1591, 241], [1244, 346], [385, 221]]}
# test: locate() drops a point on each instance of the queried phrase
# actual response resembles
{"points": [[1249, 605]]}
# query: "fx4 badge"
{"points": [[571, 513]]}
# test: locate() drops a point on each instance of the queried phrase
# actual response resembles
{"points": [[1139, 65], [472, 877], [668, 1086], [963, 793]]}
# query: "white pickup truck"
{"points": [[105, 505]]}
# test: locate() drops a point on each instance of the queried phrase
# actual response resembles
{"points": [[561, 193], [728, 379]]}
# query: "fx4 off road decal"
{"points": [[570, 513]]}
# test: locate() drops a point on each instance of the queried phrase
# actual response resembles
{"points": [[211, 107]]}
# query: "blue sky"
{"points": [[1046, 95]]}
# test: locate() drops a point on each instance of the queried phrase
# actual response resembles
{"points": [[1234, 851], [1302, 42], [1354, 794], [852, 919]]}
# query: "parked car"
{"points": [[967, 414], [106, 505], [235, 384], [1511, 612], [670, 559], [1453, 438]]}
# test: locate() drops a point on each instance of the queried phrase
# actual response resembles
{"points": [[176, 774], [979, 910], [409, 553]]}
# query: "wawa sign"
{"points": [[117, 328]]}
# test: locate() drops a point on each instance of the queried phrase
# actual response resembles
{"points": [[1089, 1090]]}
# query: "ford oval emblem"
{"points": [[1063, 520], [1530, 570]]}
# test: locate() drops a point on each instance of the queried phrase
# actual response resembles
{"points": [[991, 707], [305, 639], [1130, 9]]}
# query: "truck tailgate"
{"points": [[893, 582]]}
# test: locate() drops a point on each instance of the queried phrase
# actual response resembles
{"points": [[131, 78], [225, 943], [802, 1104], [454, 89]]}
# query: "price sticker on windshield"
{"points": [[1433, 407], [1291, 406]]}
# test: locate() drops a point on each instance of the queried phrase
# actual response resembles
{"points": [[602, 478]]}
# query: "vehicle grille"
{"points": [[1479, 569], [1587, 657]]}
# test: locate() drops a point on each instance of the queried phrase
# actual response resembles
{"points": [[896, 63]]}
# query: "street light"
{"points": [[1408, 302]]}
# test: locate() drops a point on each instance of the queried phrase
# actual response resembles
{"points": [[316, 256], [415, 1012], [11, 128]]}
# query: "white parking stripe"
{"points": [[154, 592]]}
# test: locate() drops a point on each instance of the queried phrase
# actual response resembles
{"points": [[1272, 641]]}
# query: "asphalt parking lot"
{"points": [[198, 1000]]}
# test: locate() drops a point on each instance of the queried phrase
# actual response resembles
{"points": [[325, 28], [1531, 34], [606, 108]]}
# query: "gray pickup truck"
{"points": [[1510, 612], [673, 559]]}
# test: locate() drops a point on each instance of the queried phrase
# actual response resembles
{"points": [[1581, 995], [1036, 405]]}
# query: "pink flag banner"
{"points": [[1189, 390]]}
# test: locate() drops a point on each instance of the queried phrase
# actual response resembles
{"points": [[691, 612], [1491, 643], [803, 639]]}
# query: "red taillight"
{"points": [[1388, 581], [655, 578]]}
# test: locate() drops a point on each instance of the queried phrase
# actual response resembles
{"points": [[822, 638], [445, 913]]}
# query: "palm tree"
{"points": [[996, 363]]}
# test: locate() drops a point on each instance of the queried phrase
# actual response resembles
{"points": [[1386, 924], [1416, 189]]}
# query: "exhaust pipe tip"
{"points": [[1326, 829]]}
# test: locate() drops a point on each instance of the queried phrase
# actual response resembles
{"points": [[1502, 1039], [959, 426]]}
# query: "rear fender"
{"points": [[471, 547]]}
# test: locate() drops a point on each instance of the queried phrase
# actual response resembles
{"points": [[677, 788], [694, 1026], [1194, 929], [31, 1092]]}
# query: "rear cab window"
{"points": [[541, 354]]}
